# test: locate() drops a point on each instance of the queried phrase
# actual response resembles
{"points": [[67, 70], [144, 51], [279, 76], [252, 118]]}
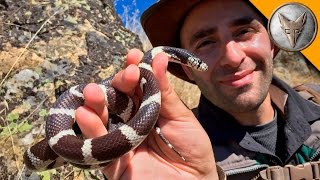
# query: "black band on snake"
{"points": [[62, 145]]}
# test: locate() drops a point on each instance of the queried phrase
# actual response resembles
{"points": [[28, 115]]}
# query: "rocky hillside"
{"points": [[47, 46]]}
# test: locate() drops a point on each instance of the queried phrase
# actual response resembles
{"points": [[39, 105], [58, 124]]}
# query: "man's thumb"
{"points": [[171, 103]]}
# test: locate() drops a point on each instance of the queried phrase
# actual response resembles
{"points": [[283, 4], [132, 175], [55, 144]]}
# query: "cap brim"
{"points": [[162, 22]]}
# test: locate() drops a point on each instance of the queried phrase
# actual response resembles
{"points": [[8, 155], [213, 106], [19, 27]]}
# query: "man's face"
{"points": [[229, 36]]}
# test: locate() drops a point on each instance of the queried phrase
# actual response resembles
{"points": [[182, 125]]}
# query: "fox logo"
{"points": [[292, 28]]}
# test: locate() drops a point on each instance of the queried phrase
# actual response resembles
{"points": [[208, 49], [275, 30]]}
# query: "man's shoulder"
{"points": [[309, 92]]}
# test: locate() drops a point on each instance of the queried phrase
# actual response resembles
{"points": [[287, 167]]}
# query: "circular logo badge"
{"points": [[292, 27]]}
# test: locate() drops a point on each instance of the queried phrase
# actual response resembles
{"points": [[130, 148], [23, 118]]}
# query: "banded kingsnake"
{"points": [[62, 145]]}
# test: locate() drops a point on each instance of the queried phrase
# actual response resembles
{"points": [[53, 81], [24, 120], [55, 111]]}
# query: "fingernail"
{"points": [[165, 70], [166, 65]]}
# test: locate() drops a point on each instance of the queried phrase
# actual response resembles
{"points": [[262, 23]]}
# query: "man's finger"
{"points": [[159, 65], [89, 122], [134, 56], [170, 100], [126, 80], [95, 99]]}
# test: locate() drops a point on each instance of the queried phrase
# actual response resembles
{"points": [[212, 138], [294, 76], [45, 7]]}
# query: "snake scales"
{"points": [[126, 131]]}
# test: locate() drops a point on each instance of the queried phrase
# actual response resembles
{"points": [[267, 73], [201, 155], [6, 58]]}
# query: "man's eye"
{"points": [[205, 43], [245, 33]]}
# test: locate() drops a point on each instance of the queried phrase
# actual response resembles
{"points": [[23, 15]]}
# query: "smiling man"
{"points": [[247, 121], [238, 51]]}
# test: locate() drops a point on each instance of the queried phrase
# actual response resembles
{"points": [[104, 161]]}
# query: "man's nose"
{"points": [[233, 56]]}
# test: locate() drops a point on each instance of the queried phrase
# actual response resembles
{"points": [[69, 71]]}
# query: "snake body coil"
{"points": [[62, 145]]}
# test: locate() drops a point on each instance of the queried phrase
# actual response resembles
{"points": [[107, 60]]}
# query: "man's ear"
{"points": [[275, 49], [188, 72]]}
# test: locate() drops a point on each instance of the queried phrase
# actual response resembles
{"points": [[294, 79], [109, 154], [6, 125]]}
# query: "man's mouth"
{"points": [[238, 79]]}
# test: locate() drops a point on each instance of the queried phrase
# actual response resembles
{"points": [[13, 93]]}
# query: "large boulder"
{"points": [[46, 47]]}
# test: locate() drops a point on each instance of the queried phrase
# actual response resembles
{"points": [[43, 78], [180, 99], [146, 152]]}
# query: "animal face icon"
{"points": [[292, 28]]}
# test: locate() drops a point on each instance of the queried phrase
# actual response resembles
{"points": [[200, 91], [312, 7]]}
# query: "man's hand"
{"points": [[153, 158]]}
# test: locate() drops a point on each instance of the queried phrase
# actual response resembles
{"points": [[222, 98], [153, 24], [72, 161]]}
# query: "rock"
{"points": [[46, 47]]}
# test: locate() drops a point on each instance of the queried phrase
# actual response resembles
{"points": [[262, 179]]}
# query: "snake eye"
{"points": [[204, 66]]}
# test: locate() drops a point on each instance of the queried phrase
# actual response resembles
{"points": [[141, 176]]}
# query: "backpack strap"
{"points": [[310, 170], [310, 92]]}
